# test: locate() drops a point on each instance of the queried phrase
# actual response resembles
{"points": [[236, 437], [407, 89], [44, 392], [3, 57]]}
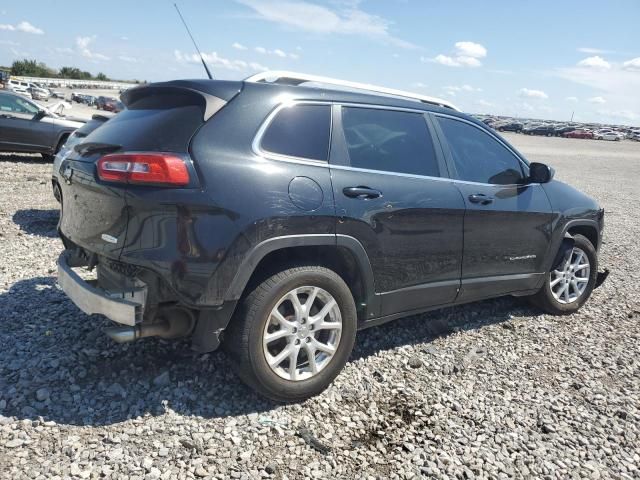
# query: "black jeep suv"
{"points": [[278, 219]]}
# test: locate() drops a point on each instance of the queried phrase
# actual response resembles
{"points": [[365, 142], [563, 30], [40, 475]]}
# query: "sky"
{"points": [[542, 59]]}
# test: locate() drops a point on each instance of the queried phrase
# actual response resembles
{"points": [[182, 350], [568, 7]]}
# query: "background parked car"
{"points": [[547, 130], [608, 135], [560, 130], [578, 133], [101, 100], [113, 105], [28, 127], [38, 93], [510, 127]]}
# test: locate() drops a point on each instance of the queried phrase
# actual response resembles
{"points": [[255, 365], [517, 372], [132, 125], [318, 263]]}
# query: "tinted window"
{"points": [[300, 131], [389, 141], [478, 157]]}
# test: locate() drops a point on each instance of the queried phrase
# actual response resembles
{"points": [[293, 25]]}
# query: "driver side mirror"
{"points": [[540, 173], [40, 114]]}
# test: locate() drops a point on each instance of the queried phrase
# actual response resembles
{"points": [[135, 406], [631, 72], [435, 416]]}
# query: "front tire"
{"points": [[569, 285], [293, 333]]}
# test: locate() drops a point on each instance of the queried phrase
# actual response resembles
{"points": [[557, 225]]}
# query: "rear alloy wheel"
{"points": [[302, 333], [293, 333], [569, 285]]}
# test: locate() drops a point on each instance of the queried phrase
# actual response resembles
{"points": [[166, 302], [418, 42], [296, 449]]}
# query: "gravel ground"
{"points": [[489, 390]]}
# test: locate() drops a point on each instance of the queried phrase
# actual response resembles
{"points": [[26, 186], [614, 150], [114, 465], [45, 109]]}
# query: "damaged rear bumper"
{"points": [[124, 307]]}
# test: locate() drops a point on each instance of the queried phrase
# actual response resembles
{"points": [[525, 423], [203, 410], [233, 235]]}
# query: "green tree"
{"points": [[101, 76]]}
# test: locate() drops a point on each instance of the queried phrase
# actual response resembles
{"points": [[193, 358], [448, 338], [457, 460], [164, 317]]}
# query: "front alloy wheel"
{"points": [[569, 281]]}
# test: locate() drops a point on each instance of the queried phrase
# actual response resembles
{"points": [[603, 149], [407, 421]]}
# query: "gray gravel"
{"points": [[489, 390]]}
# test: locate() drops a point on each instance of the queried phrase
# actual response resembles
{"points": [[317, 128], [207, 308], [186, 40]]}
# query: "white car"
{"points": [[608, 135], [20, 90]]}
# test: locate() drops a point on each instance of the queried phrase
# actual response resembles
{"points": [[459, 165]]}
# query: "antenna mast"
{"points": [[194, 42]]}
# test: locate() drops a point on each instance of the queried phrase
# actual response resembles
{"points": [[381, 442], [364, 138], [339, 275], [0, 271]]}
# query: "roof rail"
{"points": [[293, 78]]}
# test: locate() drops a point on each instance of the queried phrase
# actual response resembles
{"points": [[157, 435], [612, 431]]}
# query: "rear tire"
{"points": [[579, 284], [262, 355]]}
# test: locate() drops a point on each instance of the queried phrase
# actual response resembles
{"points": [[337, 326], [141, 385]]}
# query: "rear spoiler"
{"points": [[211, 95]]}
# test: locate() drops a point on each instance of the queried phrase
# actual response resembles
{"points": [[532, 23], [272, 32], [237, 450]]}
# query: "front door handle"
{"points": [[364, 193], [480, 198]]}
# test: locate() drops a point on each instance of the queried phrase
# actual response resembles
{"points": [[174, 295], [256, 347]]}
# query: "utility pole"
{"points": [[572, 115]]}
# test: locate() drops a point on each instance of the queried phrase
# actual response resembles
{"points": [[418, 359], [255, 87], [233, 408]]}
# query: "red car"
{"points": [[578, 134], [113, 106]]}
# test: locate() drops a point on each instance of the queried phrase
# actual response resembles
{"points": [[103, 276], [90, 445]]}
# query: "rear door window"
{"points": [[479, 157], [301, 131], [389, 141]]}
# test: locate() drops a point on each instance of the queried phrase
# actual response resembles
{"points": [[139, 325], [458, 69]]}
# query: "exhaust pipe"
{"points": [[129, 334], [175, 322]]}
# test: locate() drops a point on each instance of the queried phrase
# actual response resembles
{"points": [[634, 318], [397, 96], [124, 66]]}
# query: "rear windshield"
{"points": [[162, 122]]}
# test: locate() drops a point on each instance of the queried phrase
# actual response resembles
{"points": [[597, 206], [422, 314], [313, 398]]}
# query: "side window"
{"points": [[389, 141], [478, 157], [300, 131], [15, 104]]}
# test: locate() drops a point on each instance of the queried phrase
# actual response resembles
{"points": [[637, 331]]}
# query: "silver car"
{"points": [[28, 127]]}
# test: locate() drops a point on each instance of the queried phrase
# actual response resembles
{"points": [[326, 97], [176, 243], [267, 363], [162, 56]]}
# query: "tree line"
{"points": [[33, 68]]}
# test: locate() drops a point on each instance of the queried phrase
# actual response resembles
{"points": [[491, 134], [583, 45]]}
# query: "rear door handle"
{"points": [[480, 198], [364, 193]]}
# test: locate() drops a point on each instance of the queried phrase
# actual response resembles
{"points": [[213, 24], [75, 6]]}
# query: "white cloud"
{"points": [[419, 85], [594, 51], [10, 43], [528, 93], [571, 99], [238, 46], [619, 86], [347, 19], [23, 26], [213, 59], [128, 59], [82, 44], [277, 52], [483, 103], [466, 54], [258, 67], [616, 115], [470, 49], [468, 62], [124, 38], [64, 50], [596, 62], [462, 88], [598, 100], [633, 64]]}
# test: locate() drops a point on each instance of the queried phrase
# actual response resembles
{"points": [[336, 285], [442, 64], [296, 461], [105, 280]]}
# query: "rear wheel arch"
{"points": [[342, 254]]}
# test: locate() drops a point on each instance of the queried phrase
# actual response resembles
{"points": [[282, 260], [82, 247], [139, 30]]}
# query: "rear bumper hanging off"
{"points": [[126, 307]]}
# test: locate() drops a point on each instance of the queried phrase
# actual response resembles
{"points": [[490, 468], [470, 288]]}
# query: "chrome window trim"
{"points": [[257, 149], [256, 146], [257, 140]]}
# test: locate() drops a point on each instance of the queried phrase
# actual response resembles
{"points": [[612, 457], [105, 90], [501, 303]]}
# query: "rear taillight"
{"points": [[144, 168]]}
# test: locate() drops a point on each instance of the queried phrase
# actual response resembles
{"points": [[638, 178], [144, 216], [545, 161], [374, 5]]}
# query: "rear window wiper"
{"points": [[92, 147]]}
